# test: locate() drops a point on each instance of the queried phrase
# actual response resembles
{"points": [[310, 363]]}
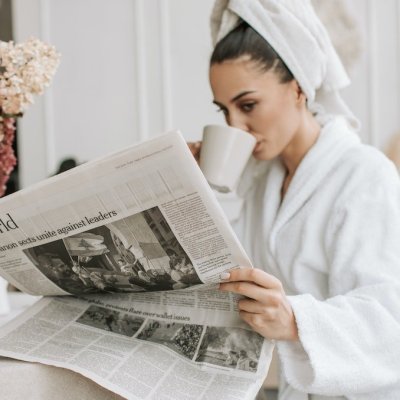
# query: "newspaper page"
{"points": [[158, 345], [142, 219], [139, 239]]}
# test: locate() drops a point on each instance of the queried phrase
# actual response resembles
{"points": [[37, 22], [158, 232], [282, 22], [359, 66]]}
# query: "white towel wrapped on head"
{"points": [[294, 31]]}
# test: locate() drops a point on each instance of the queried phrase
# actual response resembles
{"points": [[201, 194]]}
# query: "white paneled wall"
{"points": [[375, 91], [132, 69]]}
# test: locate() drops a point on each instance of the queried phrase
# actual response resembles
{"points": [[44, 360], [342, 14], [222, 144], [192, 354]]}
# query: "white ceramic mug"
{"points": [[224, 154]]}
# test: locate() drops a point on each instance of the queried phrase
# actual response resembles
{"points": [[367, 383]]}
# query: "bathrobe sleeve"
{"points": [[350, 342]]}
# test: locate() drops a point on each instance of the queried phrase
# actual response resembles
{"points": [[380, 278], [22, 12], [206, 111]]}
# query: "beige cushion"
{"points": [[23, 380]]}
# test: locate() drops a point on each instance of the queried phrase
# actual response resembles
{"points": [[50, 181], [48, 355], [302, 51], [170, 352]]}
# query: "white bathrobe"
{"points": [[334, 242]]}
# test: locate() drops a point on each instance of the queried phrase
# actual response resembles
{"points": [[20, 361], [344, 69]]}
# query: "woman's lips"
{"points": [[257, 147]]}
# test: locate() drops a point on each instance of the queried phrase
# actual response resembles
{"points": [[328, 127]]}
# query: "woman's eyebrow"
{"points": [[237, 97], [241, 94]]}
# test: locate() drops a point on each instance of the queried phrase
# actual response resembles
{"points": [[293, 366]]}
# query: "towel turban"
{"points": [[294, 31]]}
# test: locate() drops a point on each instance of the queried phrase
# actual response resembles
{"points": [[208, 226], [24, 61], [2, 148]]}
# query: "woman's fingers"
{"points": [[245, 289], [195, 148], [265, 306], [250, 305], [253, 291], [254, 275], [255, 307]]}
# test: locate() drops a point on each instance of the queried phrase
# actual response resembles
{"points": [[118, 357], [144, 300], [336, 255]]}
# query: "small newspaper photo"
{"points": [[127, 252]]}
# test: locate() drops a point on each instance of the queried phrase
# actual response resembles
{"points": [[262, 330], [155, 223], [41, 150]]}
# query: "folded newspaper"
{"points": [[128, 250]]}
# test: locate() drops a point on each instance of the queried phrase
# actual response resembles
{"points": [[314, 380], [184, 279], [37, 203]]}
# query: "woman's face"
{"points": [[255, 101]]}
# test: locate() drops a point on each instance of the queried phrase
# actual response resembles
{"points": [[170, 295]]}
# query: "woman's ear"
{"points": [[300, 96]]}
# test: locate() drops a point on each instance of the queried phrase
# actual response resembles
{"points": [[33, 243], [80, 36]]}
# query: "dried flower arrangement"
{"points": [[26, 69]]}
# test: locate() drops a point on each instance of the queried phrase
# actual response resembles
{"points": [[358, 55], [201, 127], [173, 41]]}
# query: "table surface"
{"points": [[25, 380]]}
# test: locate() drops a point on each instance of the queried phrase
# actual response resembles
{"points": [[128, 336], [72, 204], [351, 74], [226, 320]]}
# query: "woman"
{"points": [[321, 212]]}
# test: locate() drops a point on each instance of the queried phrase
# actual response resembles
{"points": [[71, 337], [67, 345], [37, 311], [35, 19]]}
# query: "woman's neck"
{"points": [[291, 157], [304, 139]]}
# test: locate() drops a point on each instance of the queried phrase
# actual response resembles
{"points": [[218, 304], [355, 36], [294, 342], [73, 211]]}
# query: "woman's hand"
{"points": [[195, 148], [265, 306]]}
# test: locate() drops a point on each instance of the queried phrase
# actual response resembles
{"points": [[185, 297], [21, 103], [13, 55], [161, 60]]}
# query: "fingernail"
{"points": [[224, 276]]}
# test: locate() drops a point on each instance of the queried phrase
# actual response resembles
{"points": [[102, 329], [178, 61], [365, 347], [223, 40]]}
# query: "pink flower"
{"points": [[7, 156], [25, 70]]}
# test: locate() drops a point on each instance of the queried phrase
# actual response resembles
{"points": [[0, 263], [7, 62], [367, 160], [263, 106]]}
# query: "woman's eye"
{"points": [[223, 110], [247, 107]]}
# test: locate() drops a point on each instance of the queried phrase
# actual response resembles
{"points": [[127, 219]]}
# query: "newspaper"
{"points": [[128, 250]]}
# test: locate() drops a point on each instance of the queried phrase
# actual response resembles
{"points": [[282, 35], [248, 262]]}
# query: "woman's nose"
{"points": [[237, 123]]}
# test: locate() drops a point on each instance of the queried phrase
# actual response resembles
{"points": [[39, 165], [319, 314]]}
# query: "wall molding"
{"points": [[32, 145], [165, 64], [141, 75], [372, 73], [48, 104], [398, 59]]}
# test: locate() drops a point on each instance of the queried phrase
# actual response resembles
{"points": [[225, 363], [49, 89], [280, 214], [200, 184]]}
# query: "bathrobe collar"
{"points": [[335, 139]]}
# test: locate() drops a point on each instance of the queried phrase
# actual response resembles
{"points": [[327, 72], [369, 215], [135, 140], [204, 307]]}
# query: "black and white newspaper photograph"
{"points": [[136, 253], [111, 320], [181, 338], [234, 348]]}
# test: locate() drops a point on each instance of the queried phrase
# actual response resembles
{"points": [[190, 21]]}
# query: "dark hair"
{"points": [[245, 41]]}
